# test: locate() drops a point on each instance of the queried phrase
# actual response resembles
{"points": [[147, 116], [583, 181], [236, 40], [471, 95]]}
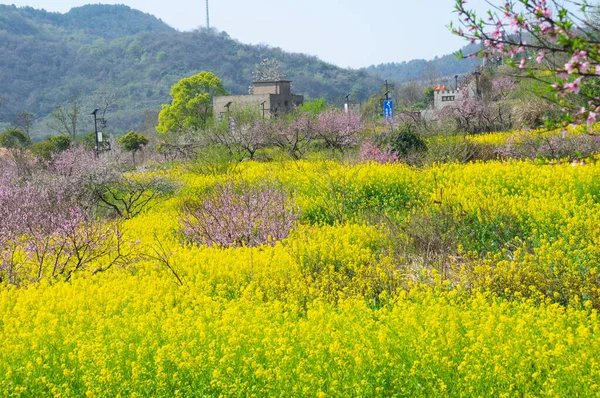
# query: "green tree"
{"points": [[133, 142], [403, 140], [429, 94], [14, 139], [53, 145], [314, 107], [191, 103]]}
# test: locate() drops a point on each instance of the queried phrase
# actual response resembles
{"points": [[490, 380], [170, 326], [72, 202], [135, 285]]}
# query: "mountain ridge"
{"points": [[49, 58], [444, 66]]}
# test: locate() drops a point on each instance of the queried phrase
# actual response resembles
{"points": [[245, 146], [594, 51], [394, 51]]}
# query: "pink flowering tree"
{"points": [[243, 133], [45, 234], [485, 111], [370, 152], [469, 113], [339, 130], [233, 216], [100, 185], [295, 135], [49, 224], [555, 44], [250, 137]]}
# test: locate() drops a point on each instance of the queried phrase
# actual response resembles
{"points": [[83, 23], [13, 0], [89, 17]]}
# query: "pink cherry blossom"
{"points": [[574, 86], [523, 63], [540, 57], [584, 67]]}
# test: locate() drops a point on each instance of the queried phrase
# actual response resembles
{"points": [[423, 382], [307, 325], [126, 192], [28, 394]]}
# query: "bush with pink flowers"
{"points": [[239, 215]]}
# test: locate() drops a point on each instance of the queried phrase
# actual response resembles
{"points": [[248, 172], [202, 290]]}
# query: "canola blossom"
{"points": [[501, 138], [335, 308]]}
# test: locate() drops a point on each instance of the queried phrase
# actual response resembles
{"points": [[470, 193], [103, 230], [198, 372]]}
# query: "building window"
{"points": [[286, 104]]}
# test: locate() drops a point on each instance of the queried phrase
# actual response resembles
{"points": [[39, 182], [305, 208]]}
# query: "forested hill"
{"points": [[105, 21], [420, 69], [47, 59]]}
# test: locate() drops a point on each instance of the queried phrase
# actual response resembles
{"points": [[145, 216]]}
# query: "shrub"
{"points": [[338, 196], [52, 146], [404, 140], [246, 215], [369, 152], [314, 107], [14, 139], [443, 149]]}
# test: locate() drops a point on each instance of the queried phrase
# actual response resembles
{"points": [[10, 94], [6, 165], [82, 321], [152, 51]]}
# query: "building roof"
{"points": [[272, 81]]}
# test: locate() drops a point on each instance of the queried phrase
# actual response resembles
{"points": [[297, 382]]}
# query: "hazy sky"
{"points": [[349, 33]]}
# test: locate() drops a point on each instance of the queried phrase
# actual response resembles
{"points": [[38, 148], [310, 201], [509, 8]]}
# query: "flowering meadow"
{"points": [[476, 279]]}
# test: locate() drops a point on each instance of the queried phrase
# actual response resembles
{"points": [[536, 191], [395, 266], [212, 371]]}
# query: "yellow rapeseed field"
{"points": [[503, 137], [347, 305]]}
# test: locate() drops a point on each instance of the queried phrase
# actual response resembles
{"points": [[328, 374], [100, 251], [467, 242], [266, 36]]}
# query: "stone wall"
{"points": [[242, 101]]}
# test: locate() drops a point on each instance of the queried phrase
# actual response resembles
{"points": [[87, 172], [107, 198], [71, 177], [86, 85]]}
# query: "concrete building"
{"points": [[443, 99], [271, 98]]}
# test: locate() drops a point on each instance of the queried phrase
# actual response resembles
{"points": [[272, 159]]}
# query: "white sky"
{"points": [[348, 33]]}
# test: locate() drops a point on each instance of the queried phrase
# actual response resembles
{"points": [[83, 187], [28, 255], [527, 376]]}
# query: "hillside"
{"points": [[46, 59], [106, 21], [420, 69]]}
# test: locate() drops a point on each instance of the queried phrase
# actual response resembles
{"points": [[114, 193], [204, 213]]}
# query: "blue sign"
{"points": [[388, 109]]}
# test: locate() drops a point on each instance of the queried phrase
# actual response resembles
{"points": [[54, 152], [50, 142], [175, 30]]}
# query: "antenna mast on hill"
{"points": [[207, 17]]}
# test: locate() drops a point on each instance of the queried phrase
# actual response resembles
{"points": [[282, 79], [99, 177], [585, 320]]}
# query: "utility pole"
{"points": [[388, 104], [207, 17], [96, 130], [387, 90], [101, 145]]}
